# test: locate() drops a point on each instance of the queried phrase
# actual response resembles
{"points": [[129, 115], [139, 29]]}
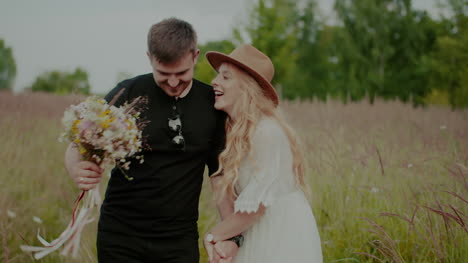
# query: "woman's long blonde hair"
{"points": [[250, 106]]}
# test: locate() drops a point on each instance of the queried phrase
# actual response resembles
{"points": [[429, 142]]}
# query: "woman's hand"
{"points": [[213, 256], [220, 251], [226, 250]]}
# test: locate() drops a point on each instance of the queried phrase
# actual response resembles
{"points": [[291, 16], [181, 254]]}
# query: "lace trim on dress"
{"points": [[255, 194], [263, 168]]}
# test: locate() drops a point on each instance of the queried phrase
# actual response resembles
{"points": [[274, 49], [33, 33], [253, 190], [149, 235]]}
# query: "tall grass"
{"points": [[388, 182]]}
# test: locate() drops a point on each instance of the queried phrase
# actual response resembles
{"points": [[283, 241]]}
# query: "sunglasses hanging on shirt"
{"points": [[175, 125]]}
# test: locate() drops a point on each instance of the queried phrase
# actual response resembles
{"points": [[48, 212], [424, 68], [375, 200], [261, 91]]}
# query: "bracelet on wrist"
{"points": [[239, 240]]}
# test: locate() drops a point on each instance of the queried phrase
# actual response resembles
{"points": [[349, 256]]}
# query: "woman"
{"points": [[262, 182]]}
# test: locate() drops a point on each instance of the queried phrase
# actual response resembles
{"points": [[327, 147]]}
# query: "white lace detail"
{"points": [[262, 169], [266, 177], [260, 190]]}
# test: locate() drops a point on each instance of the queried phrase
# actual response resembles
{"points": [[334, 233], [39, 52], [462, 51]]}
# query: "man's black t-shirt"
{"points": [[162, 199]]}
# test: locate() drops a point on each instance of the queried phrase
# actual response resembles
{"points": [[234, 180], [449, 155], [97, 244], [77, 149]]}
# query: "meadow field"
{"points": [[388, 182]]}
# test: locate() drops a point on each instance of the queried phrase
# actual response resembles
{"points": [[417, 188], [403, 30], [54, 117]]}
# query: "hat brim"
{"points": [[216, 59]]}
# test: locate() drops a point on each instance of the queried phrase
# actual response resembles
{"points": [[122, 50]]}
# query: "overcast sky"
{"points": [[106, 37]]}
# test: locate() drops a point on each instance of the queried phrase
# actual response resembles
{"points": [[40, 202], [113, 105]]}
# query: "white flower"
{"points": [[374, 190], [443, 127], [126, 165], [37, 219], [107, 134], [333, 59], [68, 118], [410, 165], [11, 214]]}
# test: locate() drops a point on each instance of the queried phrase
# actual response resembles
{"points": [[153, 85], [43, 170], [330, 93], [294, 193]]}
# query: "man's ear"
{"points": [[195, 57]]}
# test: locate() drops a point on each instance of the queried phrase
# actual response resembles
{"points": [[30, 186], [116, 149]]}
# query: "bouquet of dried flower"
{"points": [[106, 135]]}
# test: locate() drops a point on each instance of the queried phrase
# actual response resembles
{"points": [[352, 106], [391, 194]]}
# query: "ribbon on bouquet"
{"points": [[70, 238]]}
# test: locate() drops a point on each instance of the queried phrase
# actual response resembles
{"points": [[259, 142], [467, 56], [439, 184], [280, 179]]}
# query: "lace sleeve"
{"points": [[265, 168]]}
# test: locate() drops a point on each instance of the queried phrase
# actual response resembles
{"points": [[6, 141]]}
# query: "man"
{"points": [[153, 218]]}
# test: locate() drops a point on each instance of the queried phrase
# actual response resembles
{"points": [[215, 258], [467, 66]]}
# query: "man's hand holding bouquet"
{"points": [[105, 136]]}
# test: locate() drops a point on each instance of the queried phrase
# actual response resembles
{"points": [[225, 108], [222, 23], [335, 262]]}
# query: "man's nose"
{"points": [[173, 81]]}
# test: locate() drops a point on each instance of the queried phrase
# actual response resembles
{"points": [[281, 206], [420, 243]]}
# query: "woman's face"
{"points": [[227, 90]]}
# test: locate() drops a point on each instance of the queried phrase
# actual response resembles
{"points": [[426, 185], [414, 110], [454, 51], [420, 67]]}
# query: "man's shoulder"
{"points": [[139, 80], [131, 87]]}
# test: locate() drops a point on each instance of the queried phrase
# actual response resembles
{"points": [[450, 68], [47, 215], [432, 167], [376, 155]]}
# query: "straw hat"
{"points": [[252, 61]]}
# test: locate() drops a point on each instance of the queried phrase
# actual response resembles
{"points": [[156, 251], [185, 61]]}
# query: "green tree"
{"points": [[63, 82], [273, 28], [386, 42], [7, 66], [449, 59], [311, 70], [203, 71], [378, 48]]}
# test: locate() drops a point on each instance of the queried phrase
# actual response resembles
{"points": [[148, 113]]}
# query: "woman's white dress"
{"points": [[287, 232]]}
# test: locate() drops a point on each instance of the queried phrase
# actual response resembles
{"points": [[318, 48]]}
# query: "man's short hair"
{"points": [[171, 39]]}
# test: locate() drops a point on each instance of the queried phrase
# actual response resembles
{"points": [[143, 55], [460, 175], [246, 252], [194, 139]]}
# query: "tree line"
{"points": [[374, 49], [370, 49]]}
